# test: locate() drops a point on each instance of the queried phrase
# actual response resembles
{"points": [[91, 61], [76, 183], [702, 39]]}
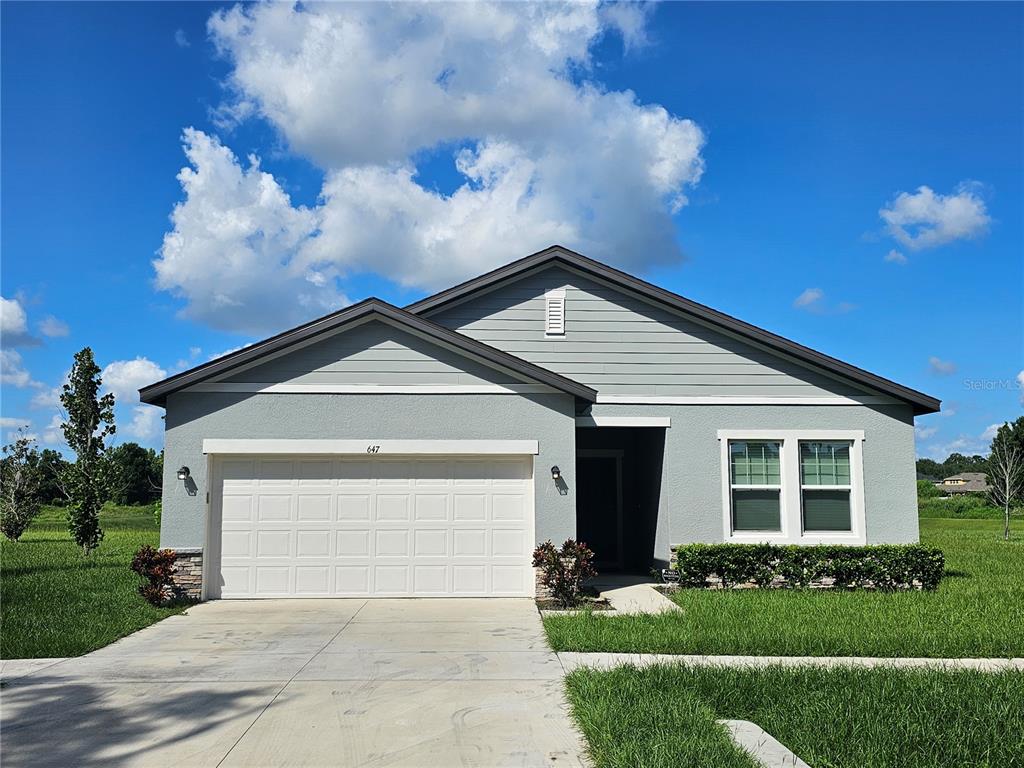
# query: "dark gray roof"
{"points": [[156, 394], [557, 254]]}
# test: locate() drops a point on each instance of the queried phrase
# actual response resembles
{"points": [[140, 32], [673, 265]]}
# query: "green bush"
{"points": [[883, 566], [926, 490]]}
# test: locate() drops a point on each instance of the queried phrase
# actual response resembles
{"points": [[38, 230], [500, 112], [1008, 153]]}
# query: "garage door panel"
{"points": [[355, 507], [274, 507], [313, 543], [313, 506], [354, 543], [316, 526]]}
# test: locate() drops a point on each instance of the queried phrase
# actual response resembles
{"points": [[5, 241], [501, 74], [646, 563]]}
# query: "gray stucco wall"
{"points": [[193, 417], [691, 492]]}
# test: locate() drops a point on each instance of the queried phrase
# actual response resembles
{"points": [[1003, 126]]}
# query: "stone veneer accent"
{"points": [[541, 592], [188, 573]]}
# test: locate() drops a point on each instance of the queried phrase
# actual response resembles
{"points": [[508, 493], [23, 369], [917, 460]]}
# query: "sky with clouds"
{"points": [[182, 179]]}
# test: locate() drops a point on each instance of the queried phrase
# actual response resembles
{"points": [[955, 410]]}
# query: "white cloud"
{"points": [[233, 251], [968, 445], [12, 369], [813, 300], [12, 422], [145, 423], [1020, 385], [895, 257], [125, 377], [810, 297], [923, 433], [17, 435], [52, 327], [181, 39], [990, 432], [14, 325], [941, 367], [47, 397], [52, 433], [924, 219], [542, 153]]}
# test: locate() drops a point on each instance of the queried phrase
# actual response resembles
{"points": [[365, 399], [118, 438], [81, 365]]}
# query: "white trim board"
{"points": [[623, 421], [372, 447], [744, 400], [269, 388]]}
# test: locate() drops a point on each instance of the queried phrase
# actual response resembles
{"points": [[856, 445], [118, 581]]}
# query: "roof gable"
{"points": [[277, 347], [659, 297]]}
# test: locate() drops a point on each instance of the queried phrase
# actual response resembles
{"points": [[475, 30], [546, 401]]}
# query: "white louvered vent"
{"points": [[554, 313]]}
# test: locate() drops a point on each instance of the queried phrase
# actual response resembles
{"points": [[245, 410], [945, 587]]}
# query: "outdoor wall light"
{"points": [[555, 472], [183, 473]]}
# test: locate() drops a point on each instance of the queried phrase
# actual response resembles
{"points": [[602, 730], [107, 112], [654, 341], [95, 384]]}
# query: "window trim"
{"points": [[791, 504]]}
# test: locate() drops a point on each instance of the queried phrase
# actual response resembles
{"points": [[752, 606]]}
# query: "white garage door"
{"points": [[388, 527]]}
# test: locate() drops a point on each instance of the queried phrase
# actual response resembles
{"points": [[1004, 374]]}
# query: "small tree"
{"points": [[19, 486], [134, 474], [90, 420], [1006, 470]]}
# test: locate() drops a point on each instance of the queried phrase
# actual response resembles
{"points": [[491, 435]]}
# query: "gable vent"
{"points": [[554, 312]]}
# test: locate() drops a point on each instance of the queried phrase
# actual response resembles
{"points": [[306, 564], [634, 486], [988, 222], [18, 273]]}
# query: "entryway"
{"points": [[618, 488]]}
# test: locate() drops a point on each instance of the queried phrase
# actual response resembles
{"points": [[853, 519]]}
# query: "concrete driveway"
{"points": [[304, 683]]}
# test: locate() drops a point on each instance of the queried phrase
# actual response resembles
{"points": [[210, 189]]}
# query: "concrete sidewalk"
{"points": [[303, 683], [571, 661]]}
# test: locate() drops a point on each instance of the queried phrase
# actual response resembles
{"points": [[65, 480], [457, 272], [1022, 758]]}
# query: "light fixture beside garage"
{"points": [[555, 473], [183, 474]]}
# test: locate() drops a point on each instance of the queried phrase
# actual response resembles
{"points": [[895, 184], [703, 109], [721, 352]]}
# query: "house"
{"points": [[424, 451], [965, 482]]}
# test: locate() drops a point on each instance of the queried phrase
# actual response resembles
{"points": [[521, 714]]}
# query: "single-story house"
{"points": [[425, 451], [965, 482]]}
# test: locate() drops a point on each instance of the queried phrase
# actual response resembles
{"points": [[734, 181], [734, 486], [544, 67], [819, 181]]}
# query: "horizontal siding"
{"points": [[373, 353], [619, 344]]}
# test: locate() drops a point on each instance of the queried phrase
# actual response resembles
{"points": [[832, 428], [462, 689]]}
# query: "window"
{"points": [[825, 487], [756, 485], [793, 486], [554, 312]]}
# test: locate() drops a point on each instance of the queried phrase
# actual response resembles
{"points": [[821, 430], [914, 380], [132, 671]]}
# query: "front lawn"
{"points": [[55, 602], [838, 718], [976, 611]]}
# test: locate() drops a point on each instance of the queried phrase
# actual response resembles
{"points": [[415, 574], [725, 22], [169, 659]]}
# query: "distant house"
{"points": [[965, 482]]}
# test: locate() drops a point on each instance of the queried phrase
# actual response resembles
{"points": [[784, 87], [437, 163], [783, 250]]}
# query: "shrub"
{"points": [[564, 570], [926, 490], [156, 566], [885, 566]]}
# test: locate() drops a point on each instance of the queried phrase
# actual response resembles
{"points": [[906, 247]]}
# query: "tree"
{"points": [[135, 474], [1006, 469], [928, 469], [90, 420], [19, 486], [51, 467]]}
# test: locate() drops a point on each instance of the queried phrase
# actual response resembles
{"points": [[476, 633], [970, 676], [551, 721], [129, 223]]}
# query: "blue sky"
{"points": [[741, 155]]}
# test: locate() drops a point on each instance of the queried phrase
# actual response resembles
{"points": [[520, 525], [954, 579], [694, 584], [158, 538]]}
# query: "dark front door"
{"points": [[599, 506]]}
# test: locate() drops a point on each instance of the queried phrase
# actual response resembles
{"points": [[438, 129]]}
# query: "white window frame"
{"points": [[554, 297], [758, 487], [791, 503]]}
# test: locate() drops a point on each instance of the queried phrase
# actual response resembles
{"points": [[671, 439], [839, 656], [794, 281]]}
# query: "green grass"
{"points": [[977, 611], [838, 718], [56, 602]]}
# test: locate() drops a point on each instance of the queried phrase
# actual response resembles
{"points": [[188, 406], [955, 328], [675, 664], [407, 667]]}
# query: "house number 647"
{"points": [[373, 449]]}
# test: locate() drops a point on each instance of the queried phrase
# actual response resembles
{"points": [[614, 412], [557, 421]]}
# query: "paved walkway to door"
{"points": [[304, 683]]}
